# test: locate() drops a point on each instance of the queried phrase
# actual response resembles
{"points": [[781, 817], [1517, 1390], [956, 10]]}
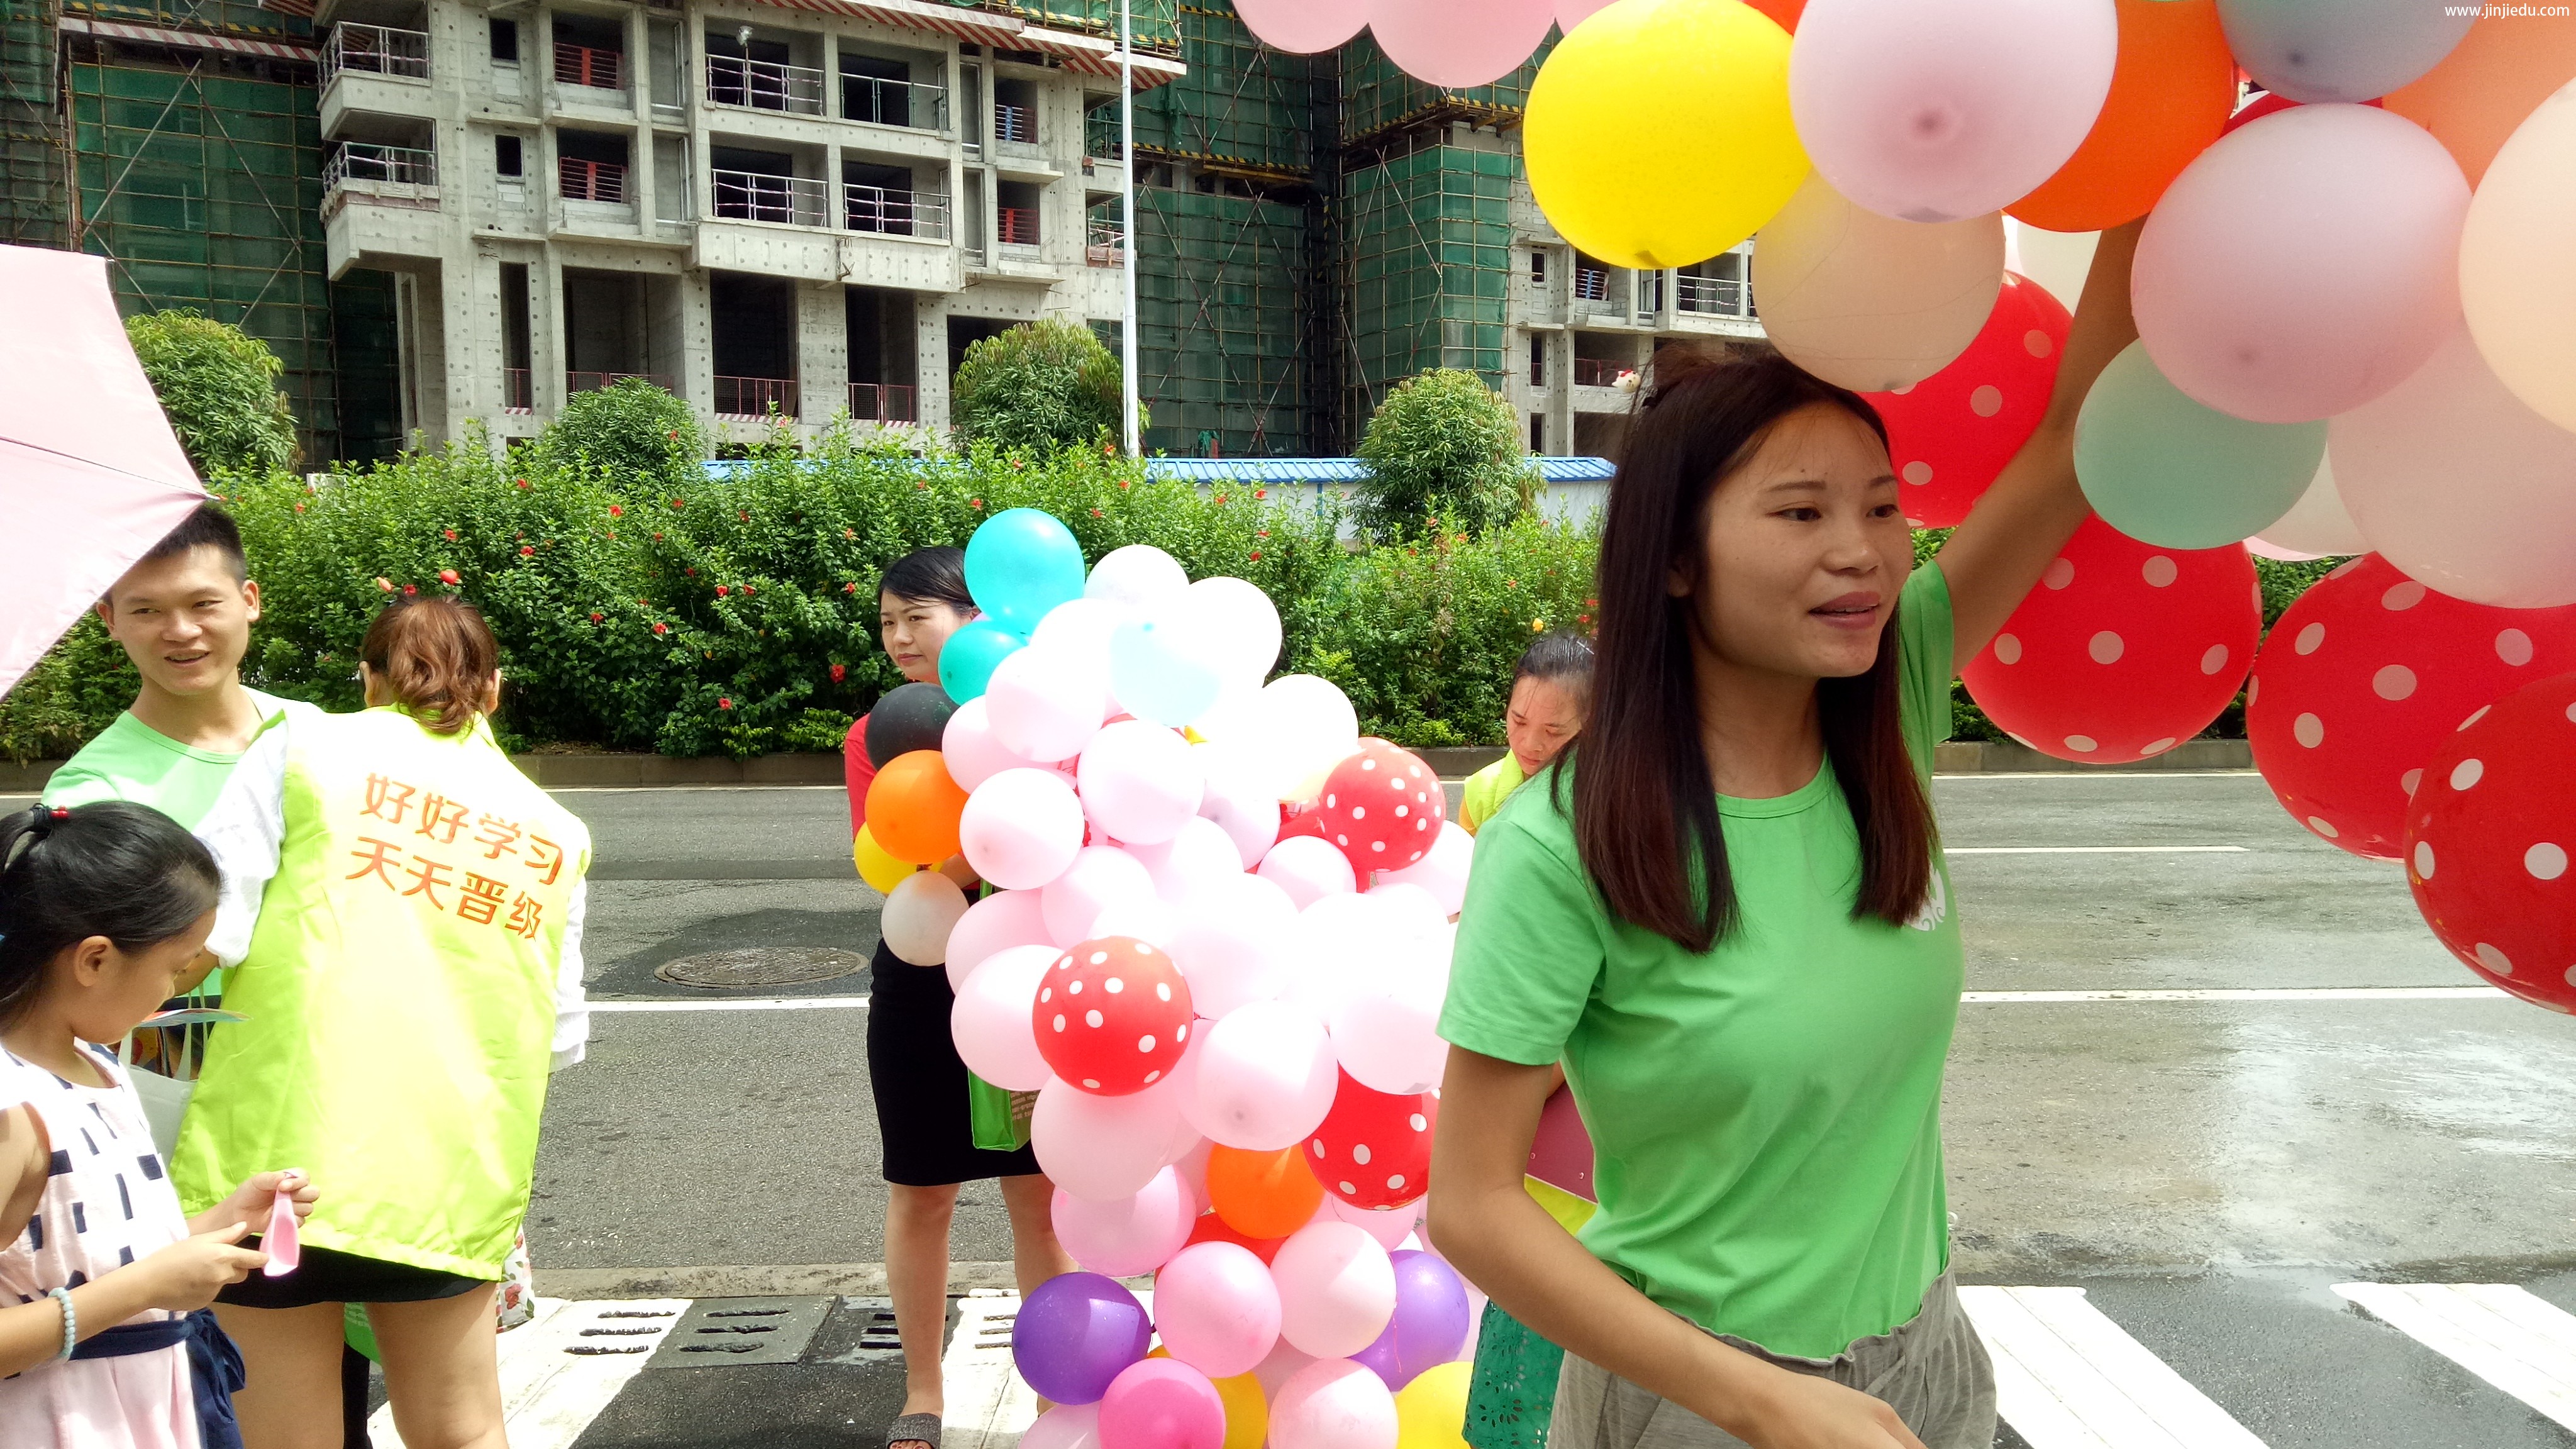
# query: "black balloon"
{"points": [[911, 718]]}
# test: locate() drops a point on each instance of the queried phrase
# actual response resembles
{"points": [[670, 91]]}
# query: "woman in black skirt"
{"points": [[923, 1120]]}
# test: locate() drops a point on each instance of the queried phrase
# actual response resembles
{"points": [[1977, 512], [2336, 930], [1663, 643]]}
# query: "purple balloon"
{"points": [[1430, 1322], [1380, 1359], [1075, 1334]]}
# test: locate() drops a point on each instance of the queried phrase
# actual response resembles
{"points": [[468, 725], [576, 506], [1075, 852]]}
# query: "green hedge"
{"points": [[737, 616]]}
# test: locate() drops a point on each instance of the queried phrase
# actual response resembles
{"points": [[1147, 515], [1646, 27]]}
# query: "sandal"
{"points": [[914, 1429]]}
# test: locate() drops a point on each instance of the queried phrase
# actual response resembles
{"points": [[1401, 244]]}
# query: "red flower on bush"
{"points": [[447, 576], [849, 533], [1260, 492], [661, 628], [839, 673], [449, 533], [1592, 603], [411, 590], [657, 537], [1220, 500], [1262, 533], [384, 583], [597, 617], [523, 482], [748, 591], [974, 502], [849, 588], [1256, 555], [722, 703], [679, 503], [743, 513], [1096, 513], [1125, 483], [721, 590], [299, 508], [527, 553], [617, 510], [693, 573]]}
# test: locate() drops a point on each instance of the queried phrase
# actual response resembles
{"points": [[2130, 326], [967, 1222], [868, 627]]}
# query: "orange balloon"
{"points": [[1784, 11], [1263, 1194], [913, 808], [2170, 95], [2490, 84]]}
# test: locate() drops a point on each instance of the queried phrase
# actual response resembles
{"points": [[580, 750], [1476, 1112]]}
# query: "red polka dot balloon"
{"points": [[1112, 1016], [2489, 837], [1951, 433], [2369, 673], [2123, 651], [1383, 807], [1374, 1149]]}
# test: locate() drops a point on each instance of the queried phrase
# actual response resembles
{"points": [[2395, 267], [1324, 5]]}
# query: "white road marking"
{"points": [[989, 1405], [2096, 850], [2067, 1377], [2245, 993], [766, 1003], [549, 1394], [2520, 1343]]}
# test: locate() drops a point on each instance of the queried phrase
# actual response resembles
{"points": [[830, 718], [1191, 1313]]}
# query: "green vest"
{"points": [[399, 996]]}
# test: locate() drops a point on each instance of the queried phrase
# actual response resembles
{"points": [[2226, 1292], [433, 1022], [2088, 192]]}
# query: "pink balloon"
{"points": [[1217, 1308], [967, 746], [1309, 868], [1128, 1236], [1066, 1426], [1458, 44], [1101, 876], [1571, 13], [1046, 704], [1263, 1078], [1102, 1148], [1443, 872], [1239, 798], [1140, 781], [990, 1021], [1191, 1164], [1233, 944], [1336, 1289], [1021, 828], [1389, 1226], [1941, 112], [2460, 484], [995, 923], [2304, 264], [1199, 856], [1304, 26], [1333, 1404], [1157, 1403]]}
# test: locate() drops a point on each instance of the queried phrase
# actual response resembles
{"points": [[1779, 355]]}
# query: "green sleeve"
{"points": [[1925, 641], [77, 784], [1529, 940]]}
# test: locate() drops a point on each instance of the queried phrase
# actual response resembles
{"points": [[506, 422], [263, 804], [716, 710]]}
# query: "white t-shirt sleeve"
{"points": [[572, 1003], [244, 831]]}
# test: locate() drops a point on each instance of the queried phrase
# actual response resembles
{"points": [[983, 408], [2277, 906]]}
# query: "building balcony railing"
{"points": [[1712, 296], [375, 50], [894, 212], [1015, 123], [585, 65], [756, 196], [597, 381], [1100, 136], [764, 85], [754, 397], [884, 402], [517, 391], [1105, 245], [1016, 226], [1597, 372], [881, 101], [591, 180], [380, 170]]}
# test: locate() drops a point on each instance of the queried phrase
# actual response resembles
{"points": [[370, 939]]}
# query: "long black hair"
{"points": [[1645, 804], [113, 869]]}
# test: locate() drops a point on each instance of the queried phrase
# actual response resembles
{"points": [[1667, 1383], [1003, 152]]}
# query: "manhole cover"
{"points": [[762, 966], [724, 1332]]}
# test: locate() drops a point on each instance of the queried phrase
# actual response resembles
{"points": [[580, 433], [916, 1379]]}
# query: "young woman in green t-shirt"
{"points": [[1724, 911]]}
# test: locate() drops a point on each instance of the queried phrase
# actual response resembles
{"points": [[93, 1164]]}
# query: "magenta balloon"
{"points": [[1304, 26], [1076, 1334], [1162, 1404], [1457, 44], [2304, 264], [1940, 110]]}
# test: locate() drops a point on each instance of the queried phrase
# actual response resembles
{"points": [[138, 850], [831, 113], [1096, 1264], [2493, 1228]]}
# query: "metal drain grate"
{"points": [[724, 1332], [619, 1331], [761, 966]]}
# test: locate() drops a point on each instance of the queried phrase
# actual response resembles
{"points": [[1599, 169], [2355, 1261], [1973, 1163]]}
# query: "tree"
{"points": [[631, 429], [1040, 386], [1443, 443], [218, 385]]}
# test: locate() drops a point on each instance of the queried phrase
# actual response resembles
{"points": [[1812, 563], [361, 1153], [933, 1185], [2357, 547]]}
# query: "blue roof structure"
{"points": [[1339, 470]]}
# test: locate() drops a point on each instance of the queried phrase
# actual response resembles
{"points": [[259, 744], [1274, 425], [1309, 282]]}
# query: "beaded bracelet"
{"points": [[71, 1319]]}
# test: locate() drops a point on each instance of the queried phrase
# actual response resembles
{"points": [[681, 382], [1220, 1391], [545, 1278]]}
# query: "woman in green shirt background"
{"points": [[1726, 914]]}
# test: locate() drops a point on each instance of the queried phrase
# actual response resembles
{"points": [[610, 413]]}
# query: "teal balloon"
{"points": [[2166, 470], [967, 660], [1158, 676], [1020, 564]]}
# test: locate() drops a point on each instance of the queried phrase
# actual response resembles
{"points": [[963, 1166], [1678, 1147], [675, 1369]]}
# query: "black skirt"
{"points": [[924, 1121]]}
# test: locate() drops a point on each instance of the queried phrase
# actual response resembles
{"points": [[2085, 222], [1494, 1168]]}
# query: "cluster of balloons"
{"points": [[1217, 955]]}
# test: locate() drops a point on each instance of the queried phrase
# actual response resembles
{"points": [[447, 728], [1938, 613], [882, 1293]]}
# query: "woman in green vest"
{"points": [[405, 909], [1726, 915], [1550, 688]]}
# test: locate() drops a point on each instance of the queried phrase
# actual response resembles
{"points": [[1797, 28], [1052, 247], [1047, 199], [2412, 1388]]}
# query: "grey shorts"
{"points": [[1932, 1370]]}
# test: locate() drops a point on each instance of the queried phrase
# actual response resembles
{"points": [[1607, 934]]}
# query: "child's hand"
{"points": [[186, 1275], [250, 1202]]}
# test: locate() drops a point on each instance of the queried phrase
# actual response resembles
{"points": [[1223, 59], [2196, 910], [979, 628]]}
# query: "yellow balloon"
{"points": [[877, 868], [1658, 133], [1247, 1412], [1431, 1412]]}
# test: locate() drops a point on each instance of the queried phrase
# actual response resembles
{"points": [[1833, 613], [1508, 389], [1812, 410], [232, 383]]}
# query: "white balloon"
{"points": [[1021, 828], [1309, 868], [1140, 781], [1099, 877], [1142, 918], [1443, 871], [991, 926], [1165, 667], [2317, 526], [969, 750], [1101, 1148], [1245, 625], [1197, 856], [1336, 1288], [1239, 796], [1264, 1079], [1390, 1226], [1386, 1033], [918, 915], [1045, 705], [1079, 629], [1309, 726], [1235, 945], [1139, 577], [991, 1020]]}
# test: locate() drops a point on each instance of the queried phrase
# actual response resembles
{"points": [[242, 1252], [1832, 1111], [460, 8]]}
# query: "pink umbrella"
{"points": [[90, 474]]}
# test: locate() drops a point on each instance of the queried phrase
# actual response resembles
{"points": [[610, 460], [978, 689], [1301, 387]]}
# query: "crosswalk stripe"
{"points": [[989, 1405], [2505, 1335], [555, 1376], [2067, 1377]]}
